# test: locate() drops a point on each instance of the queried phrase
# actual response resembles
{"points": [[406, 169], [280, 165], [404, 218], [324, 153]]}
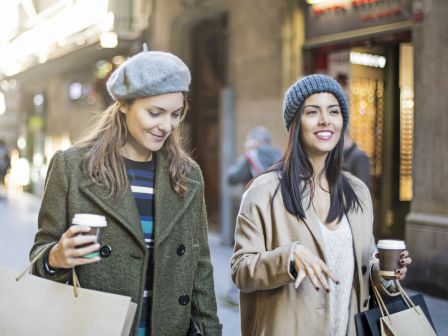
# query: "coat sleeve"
{"points": [[204, 300], [239, 172], [361, 168], [52, 219], [253, 267]]}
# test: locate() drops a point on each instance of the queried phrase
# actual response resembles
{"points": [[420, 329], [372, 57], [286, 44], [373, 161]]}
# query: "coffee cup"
{"points": [[389, 253], [96, 224]]}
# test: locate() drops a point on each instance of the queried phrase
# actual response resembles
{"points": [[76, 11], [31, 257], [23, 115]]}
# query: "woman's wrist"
{"points": [[49, 262]]}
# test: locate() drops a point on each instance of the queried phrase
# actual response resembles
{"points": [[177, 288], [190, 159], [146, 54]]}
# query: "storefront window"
{"points": [[406, 121]]}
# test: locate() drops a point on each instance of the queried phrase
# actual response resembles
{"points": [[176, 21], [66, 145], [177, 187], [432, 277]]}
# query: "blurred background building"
{"points": [[55, 57]]}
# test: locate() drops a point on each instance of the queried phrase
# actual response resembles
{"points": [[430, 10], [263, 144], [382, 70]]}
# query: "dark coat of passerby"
{"points": [[132, 170], [5, 161], [355, 160], [304, 247], [5, 164], [258, 156]]}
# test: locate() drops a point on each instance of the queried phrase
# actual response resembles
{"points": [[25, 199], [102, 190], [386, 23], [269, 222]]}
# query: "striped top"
{"points": [[141, 179]]}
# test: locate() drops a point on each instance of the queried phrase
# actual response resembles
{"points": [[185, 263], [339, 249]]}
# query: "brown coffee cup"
{"points": [[389, 251], [96, 224]]}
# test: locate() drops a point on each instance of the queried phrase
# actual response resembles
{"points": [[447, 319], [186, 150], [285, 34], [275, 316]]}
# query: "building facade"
{"points": [[243, 55], [385, 52], [55, 59]]}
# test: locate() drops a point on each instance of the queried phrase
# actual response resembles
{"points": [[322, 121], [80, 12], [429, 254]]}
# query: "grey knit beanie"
{"points": [[149, 73], [298, 92]]}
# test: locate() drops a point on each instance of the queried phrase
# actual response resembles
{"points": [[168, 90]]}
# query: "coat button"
{"points": [[184, 299], [364, 270], [105, 251], [366, 301], [181, 250]]}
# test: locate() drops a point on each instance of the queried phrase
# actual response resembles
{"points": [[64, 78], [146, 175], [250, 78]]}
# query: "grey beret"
{"points": [[298, 92], [149, 73]]}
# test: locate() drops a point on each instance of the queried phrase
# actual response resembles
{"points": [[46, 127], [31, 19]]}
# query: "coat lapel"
{"points": [[312, 223], [169, 206], [122, 208], [355, 219]]}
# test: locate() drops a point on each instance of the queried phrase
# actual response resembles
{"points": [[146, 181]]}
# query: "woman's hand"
{"points": [[404, 261], [307, 264], [65, 254]]}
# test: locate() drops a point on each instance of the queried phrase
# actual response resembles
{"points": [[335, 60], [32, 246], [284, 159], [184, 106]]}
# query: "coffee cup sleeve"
{"points": [[386, 287]]}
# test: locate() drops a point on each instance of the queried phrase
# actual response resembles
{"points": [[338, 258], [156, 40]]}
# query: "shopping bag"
{"points": [[36, 306], [367, 322], [410, 321]]}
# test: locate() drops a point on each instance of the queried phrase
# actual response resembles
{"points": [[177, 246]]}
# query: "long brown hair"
{"points": [[104, 164]]}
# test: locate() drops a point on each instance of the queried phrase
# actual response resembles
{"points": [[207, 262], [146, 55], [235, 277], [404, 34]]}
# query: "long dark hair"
{"points": [[297, 177]]}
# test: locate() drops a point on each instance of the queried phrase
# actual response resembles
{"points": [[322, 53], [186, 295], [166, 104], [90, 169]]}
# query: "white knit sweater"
{"points": [[338, 246]]}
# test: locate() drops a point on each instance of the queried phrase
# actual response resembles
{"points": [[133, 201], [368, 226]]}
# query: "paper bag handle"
{"points": [[75, 279], [382, 305]]}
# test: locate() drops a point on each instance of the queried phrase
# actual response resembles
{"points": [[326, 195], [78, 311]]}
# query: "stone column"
{"points": [[427, 223], [255, 66]]}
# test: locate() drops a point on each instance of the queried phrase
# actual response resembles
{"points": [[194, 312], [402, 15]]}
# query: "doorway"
{"points": [[209, 77], [380, 90]]}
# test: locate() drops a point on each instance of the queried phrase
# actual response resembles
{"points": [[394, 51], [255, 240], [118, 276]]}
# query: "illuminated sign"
{"points": [[330, 17], [367, 59]]}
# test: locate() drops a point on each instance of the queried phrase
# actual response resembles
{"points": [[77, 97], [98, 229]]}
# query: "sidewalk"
{"points": [[18, 224]]}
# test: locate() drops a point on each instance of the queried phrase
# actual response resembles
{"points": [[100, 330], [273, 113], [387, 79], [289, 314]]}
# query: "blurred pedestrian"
{"points": [[355, 160], [5, 164], [132, 170], [304, 248], [258, 156]]}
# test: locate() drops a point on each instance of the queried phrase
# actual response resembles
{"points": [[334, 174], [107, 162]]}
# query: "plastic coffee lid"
{"points": [[386, 244], [89, 220]]}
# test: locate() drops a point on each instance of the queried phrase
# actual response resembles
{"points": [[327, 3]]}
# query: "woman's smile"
{"points": [[324, 135], [157, 136]]}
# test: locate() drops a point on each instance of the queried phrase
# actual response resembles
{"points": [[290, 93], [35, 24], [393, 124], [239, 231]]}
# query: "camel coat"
{"points": [[264, 238], [183, 274]]}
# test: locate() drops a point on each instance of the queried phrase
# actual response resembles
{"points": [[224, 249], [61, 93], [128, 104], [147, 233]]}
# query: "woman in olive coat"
{"points": [[131, 169]]}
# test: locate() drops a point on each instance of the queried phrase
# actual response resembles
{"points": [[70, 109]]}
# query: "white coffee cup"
{"points": [[96, 224], [389, 251]]}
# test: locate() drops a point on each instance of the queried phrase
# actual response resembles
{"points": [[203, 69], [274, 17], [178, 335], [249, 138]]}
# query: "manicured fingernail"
{"points": [[317, 288], [327, 290], [398, 271], [402, 262], [338, 282], [402, 255]]}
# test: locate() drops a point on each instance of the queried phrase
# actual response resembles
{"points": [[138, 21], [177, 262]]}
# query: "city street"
{"points": [[18, 218]]}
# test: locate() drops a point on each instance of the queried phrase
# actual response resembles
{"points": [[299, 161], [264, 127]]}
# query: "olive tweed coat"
{"points": [[183, 281]]}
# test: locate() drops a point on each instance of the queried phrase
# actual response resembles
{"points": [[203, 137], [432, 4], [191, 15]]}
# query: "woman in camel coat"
{"points": [[304, 248]]}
